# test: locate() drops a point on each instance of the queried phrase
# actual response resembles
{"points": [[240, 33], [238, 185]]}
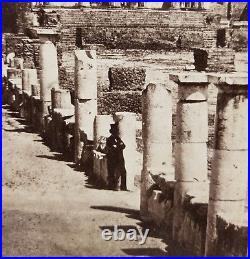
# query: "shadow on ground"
{"points": [[155, 231]]}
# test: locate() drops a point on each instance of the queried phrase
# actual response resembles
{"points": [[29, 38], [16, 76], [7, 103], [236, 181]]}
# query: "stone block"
{"points": [[127, 78], [111, 102]]}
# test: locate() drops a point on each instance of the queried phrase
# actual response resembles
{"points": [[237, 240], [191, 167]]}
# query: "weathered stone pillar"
{"points": [[61, 103], [85, 98], [48, 74], [35, 96], [13, 78], [191, 138], [61, 99], [18, 63], [228, 184], [17, 91], [102, 127], [127, 132], [29, 77], [156, 134]]}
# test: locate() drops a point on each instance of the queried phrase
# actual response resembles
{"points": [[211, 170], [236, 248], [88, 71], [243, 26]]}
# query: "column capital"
{"points": [[237, 79], [191, 86], [189, 78]]}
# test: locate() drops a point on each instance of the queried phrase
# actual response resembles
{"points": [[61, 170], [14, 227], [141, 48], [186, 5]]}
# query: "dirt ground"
{"points": [[50, 209]]}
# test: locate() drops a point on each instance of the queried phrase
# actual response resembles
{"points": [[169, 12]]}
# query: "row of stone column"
{"points": [[85, 102], [41, 99], [228, 183]]}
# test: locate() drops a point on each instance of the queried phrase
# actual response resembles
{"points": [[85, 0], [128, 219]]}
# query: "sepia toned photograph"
{"points": [[125, 129]]}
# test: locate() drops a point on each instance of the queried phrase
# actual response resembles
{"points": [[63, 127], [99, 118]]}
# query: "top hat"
{"points": [[114, 128]]}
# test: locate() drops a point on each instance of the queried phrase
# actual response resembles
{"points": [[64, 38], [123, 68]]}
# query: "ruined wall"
{"points": [[31, 53], [239, 37], [13, 43], [124, 93], [146, 29], [23, 47], [130, 29]]}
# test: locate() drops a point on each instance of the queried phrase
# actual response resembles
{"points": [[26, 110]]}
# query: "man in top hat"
{"points": [[116, 164]]}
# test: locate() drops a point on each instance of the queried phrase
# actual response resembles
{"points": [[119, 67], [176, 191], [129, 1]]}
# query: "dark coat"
{"points": [[115, 148]]}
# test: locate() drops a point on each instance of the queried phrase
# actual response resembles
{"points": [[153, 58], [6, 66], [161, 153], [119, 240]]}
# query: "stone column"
{"points": [[29, 77], [191, 138], [157, 143], [61, 99], [228, 184], [48, 74], [101, 129], [127, 132], [35, 95], [10, 95], [18, 63], [85, 98]]}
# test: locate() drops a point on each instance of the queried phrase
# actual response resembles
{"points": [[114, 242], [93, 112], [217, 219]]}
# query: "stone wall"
{"points": [[31, 53], [13, 43], [214, 59], [124, 95], [239, 36], [146, 29], [129, 29]]}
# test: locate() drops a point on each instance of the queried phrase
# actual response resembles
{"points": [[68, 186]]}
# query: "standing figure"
{"points": [[116, 164]]}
